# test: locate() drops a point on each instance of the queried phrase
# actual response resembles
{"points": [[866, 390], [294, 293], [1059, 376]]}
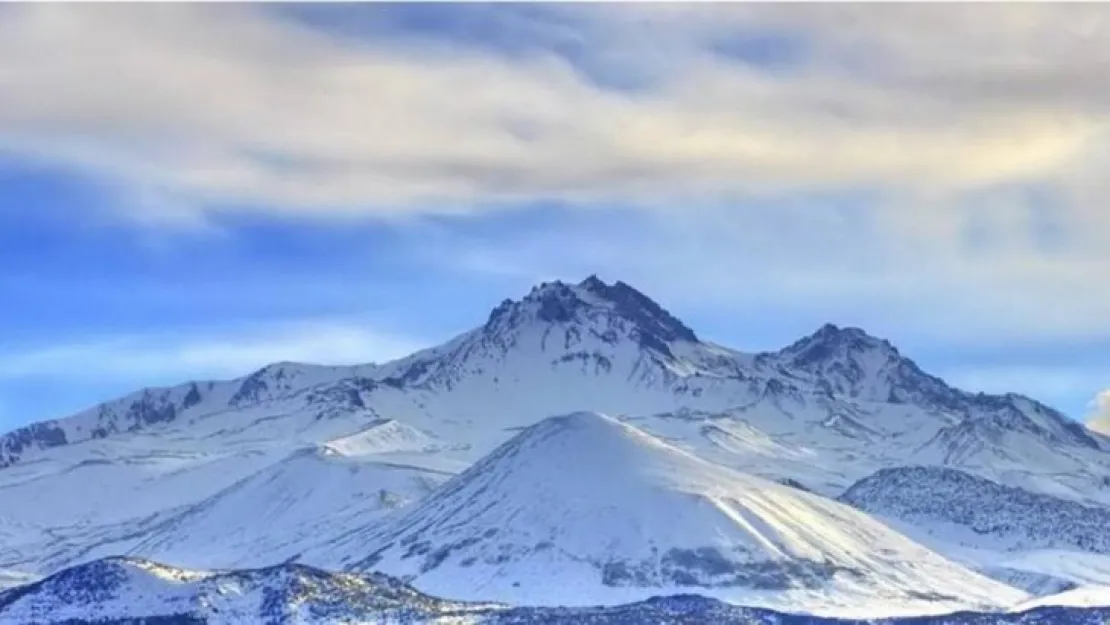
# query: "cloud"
{"points": [[230, 106], [935, 166], [1099, 419], [834, 259], [176, 357]]}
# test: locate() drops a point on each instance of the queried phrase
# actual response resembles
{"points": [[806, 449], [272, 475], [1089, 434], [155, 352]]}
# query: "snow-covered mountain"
{"points": [[582, 509], [189, 473], [269, 516], [612, 343]]}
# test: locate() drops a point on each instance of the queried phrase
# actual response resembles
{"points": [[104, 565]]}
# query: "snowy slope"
{"points": [[594, 346], [129, 591], [950, 504], [131, 588], [104, 499], [269, 516], [229, 505], [582, 509], [158, 472], [158, 407], [550, 351], [1037, 542], [9, 579], [1084, 597], [385, 437]]}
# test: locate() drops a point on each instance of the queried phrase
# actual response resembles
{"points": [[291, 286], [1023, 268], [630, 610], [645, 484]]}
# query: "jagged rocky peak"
{"points": [[850, 361], [638, 307], [832, 341], [560, 302]]}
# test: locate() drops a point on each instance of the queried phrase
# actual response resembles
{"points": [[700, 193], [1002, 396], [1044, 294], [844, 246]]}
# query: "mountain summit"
{"points": [[556, 335], [609, 342], [563, 347], [558, 302], [851, 362]]}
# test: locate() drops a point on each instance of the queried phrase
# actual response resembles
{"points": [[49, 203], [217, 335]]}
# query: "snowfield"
{"points": [[584, 510], [127, 591], [716, 471]]}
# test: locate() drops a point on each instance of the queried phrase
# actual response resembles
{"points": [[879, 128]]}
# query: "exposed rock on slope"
{"points": [[583, 509], [965, 509]]}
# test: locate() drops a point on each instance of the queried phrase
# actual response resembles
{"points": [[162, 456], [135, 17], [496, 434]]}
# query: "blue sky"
{"points": [[195, 191]]}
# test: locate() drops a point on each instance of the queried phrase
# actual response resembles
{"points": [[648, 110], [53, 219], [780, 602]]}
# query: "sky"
{"points": [[194, 191]]}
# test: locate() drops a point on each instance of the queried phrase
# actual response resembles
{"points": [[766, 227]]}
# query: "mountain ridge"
{"points": [[823, 359], [174, 468]]}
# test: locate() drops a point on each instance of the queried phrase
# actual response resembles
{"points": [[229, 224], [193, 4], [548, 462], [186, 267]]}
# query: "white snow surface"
{"points": [[385, 437], [10, 579], [270, 516], [128, 588], [293, 460], [1083, 597], [584, 510]]}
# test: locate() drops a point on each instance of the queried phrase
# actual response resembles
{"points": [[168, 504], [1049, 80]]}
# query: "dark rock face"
{"points": [[829, 342], [708, 567], [792, 483], [560, 303], [141, 410], [697, 610], [836, 355], [931, 494], [286, 590], [651, 318], [192, 398], [251, 389], [290, 591], [151, 409], [87, 584], [37, 435], [503, 309], [342, 398]]}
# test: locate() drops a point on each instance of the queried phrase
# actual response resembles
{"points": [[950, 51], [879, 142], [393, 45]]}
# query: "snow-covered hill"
{"points": [[953, 505], [1038, 542], [130, 591], [169, 472], [271, 515], [125, 588], [582, 509]]}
